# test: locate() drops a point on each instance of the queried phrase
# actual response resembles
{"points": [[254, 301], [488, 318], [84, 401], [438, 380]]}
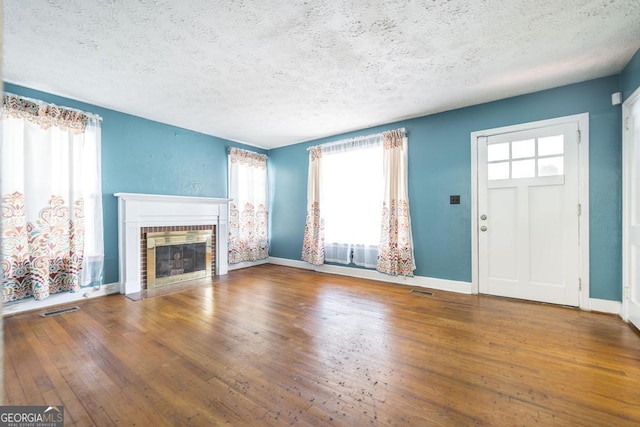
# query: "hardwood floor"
{"points": [[271, 345]]}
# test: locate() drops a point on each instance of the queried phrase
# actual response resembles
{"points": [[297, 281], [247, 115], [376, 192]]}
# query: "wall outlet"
{"points": [[454, 200]]}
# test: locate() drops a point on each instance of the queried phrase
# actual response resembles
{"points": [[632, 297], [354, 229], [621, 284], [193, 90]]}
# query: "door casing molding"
{"points": [[627, 159], [583, 194]]}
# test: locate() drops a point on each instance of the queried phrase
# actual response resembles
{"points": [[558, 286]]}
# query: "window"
{"points": [[50, 183], [248, 215], [352, 185], [528, 158], [358, 204]]}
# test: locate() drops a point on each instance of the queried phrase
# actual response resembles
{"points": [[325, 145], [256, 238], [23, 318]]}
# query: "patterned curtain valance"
{"points": [[250, 158], [44, 115]]}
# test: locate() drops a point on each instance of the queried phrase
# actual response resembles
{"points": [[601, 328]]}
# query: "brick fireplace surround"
{"points": [[142, 213]]}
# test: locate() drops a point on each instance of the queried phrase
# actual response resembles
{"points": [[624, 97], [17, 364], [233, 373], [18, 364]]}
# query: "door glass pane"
{"points": [[498, 170], [551, 166], [551, 145], [498, 152], [524, 148], [523, 168]]}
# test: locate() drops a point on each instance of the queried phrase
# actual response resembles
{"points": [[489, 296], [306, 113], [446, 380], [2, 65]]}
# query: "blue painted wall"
{"points": [[440, 165], [143, 156], [630, 76]]}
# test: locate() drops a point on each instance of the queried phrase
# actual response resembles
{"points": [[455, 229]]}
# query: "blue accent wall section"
{"points": [[440, 165], [143, 156], [630, 76]]}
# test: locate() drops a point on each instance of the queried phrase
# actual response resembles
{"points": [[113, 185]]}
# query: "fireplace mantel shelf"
{"points": [[148, 210], [170, 198]]}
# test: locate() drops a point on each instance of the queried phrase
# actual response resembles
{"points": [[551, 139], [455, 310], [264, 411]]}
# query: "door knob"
{"points": [[483, 217], [483, 228]]}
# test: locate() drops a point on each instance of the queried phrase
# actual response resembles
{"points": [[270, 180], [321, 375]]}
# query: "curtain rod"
{"points": [[355, 138], [40, 102], [229, 147]]}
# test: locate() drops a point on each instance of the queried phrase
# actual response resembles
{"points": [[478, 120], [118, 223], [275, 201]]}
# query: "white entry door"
{"points": [[631, 202], [528, 209]]}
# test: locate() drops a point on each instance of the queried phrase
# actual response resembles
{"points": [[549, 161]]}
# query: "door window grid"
{"points": [[528, 158]]}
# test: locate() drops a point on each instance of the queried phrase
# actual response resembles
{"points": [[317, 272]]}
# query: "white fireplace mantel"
{"points": [[153, 210]]}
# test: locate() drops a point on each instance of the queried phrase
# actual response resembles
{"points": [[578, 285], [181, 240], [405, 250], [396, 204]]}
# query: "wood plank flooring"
{"points": [[271, 345]]}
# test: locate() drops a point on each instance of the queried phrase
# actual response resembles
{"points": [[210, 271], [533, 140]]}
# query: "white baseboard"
{"points": [[605, 306], [291, 263], [420, 281], [29, 304], [246, 264]]}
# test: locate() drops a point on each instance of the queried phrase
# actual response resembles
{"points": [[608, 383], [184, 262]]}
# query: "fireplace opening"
{"points": [[173, 260], [177, 256]]}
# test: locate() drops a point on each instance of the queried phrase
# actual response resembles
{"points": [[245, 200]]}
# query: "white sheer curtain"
{"points": [[344, 202], [351, 200], [248, 211], [51, 229]]}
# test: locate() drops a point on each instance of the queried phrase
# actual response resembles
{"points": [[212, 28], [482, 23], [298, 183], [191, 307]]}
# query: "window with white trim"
{"points": [[528, 158]]}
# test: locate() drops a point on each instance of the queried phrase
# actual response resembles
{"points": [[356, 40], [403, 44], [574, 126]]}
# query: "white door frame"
{"points": [[583, 189], [627, 159]]}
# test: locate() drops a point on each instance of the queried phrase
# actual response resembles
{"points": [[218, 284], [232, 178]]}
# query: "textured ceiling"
{"points": [[276, 72]]}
